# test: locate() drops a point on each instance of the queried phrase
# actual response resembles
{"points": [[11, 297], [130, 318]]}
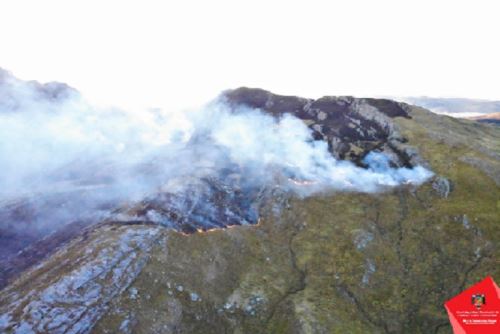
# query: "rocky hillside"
{"points": [[351, 127], [335, 262]]}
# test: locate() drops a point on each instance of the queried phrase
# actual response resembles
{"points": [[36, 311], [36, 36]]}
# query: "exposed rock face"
{"points": [[351, 126], [442, 186], [73, 302]]}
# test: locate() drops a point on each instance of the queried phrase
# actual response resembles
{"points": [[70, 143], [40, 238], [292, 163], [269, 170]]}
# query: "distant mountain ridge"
{"points": [[493, 118], [456, 107]]}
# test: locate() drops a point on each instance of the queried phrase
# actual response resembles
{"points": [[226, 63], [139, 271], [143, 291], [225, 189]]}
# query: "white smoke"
{"points": [[61, 144], [256, 139]]}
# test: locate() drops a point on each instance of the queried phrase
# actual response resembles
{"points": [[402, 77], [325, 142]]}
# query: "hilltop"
{"points": [[332, 262]]}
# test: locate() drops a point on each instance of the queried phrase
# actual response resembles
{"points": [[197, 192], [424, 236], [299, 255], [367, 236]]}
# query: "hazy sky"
{"points": [[180, 53]]}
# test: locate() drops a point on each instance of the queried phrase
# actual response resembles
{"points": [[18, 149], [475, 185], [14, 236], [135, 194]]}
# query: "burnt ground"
{"points": [[209, 204]]}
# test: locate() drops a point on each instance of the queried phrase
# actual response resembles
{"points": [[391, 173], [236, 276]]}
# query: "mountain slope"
{"points": [[329, 263]]}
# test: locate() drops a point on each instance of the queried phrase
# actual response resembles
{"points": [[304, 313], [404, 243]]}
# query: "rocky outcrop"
{"points": [[76, 297], [352, 127], [442, 186]]}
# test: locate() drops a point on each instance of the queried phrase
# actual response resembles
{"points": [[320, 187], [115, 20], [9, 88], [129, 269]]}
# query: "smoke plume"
{"points": [[53, 144]]}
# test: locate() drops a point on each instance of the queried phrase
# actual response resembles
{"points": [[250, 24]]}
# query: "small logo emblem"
{"points": [[478, 300]]}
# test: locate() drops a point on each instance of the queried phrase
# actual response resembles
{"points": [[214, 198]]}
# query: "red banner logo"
{"points": [[476, 310]]}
